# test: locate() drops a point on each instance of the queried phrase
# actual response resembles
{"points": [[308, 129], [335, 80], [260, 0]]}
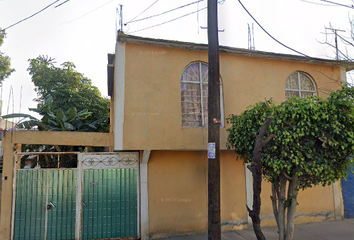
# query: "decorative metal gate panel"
{"points": [[98, 200], [109, 197]]}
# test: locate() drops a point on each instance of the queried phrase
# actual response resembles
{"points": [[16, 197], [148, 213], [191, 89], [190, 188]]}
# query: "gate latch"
{"points": [[50, 205]]}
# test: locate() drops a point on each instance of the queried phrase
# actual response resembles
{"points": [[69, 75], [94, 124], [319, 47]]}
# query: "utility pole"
{"points": [[214, 221], [336, 39]]}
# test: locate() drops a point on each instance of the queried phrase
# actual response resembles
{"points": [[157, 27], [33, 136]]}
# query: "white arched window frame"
{"points": [[194, 96], [301, 85]]}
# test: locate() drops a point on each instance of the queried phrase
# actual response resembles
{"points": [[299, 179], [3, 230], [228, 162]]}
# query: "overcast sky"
{"points": [[84, 32]]}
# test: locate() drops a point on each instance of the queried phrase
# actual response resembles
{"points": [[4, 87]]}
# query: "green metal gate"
{"points": [[62, 201], [98, 200], [30, 208], [45, 204], [109, 204]]}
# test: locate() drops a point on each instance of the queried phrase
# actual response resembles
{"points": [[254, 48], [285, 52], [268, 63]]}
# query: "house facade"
{"points": [[153, 183], [159, 103]]}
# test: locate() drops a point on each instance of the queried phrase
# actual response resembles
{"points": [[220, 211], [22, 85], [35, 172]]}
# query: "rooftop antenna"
{"points": [[198, 16], [335, 31], [8, 103], [20, 103], [251, 38], [120, 11], [116, 27], [121, 17]]}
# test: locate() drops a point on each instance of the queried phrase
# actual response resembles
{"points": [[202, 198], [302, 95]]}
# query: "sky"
{"points": [[84, 32]]}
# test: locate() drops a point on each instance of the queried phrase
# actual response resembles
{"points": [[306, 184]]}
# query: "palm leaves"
{"points": [[70, 120]]}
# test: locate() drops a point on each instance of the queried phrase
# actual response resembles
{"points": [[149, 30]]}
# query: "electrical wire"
{"points": [[142, 12], [269, 33], [169, 20], [89, 12], [339, 4], [320, 4], [61, 3], [31, 15], [159, 14], [345, 40]]}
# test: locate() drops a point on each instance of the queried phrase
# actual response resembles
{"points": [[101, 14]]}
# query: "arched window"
{"points": [[194, 96], [299, 84]]}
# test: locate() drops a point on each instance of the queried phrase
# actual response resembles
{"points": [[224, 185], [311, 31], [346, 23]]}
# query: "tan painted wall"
{"points": [[152, 117], [315, 204], [177, 182]]}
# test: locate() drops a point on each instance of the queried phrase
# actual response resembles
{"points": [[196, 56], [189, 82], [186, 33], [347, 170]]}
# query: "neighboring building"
{"points": [[159, 107]]}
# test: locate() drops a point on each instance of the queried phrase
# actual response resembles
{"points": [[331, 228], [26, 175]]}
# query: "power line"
{"points": [[61, 3], [169, 20], [31, 15], [339, 4], [159, 14], [142, 12], [320, 4], [269, 33], [90, 12]]}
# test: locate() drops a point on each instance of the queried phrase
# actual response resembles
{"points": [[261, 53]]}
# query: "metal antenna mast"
{"points": [[121, 17], [251, 38], [336, 39]]}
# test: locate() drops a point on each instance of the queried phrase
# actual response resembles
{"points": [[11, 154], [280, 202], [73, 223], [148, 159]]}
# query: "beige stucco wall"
{"points": [[177, 183], [315, 204], [152, 105]]}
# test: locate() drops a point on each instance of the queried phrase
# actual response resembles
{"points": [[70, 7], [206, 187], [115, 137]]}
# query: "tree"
{"points": [[5, 69], [312, 139], [69, 89], [71, 120]]}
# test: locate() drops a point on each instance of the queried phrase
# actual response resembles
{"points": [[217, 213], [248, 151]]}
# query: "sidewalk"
{"points": [[332, 230]]}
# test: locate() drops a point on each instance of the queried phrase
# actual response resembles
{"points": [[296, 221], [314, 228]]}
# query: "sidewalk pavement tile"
{"points": [[272, 234], [332, 230], [232, 236], [202, 236], [350, 220]]}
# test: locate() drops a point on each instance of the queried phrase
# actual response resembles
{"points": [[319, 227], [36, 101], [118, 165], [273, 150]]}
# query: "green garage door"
{"points": [[109, 204]]}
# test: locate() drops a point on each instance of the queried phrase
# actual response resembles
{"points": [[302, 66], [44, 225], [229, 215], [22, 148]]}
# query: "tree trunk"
{"points": [[281, 207], [256, 169], [292, 195], [274, 198]]}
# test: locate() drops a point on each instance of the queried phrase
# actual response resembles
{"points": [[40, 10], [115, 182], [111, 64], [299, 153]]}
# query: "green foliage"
{"points": [[313, 137], [5, 69], [69, 89], [58, 120]]}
